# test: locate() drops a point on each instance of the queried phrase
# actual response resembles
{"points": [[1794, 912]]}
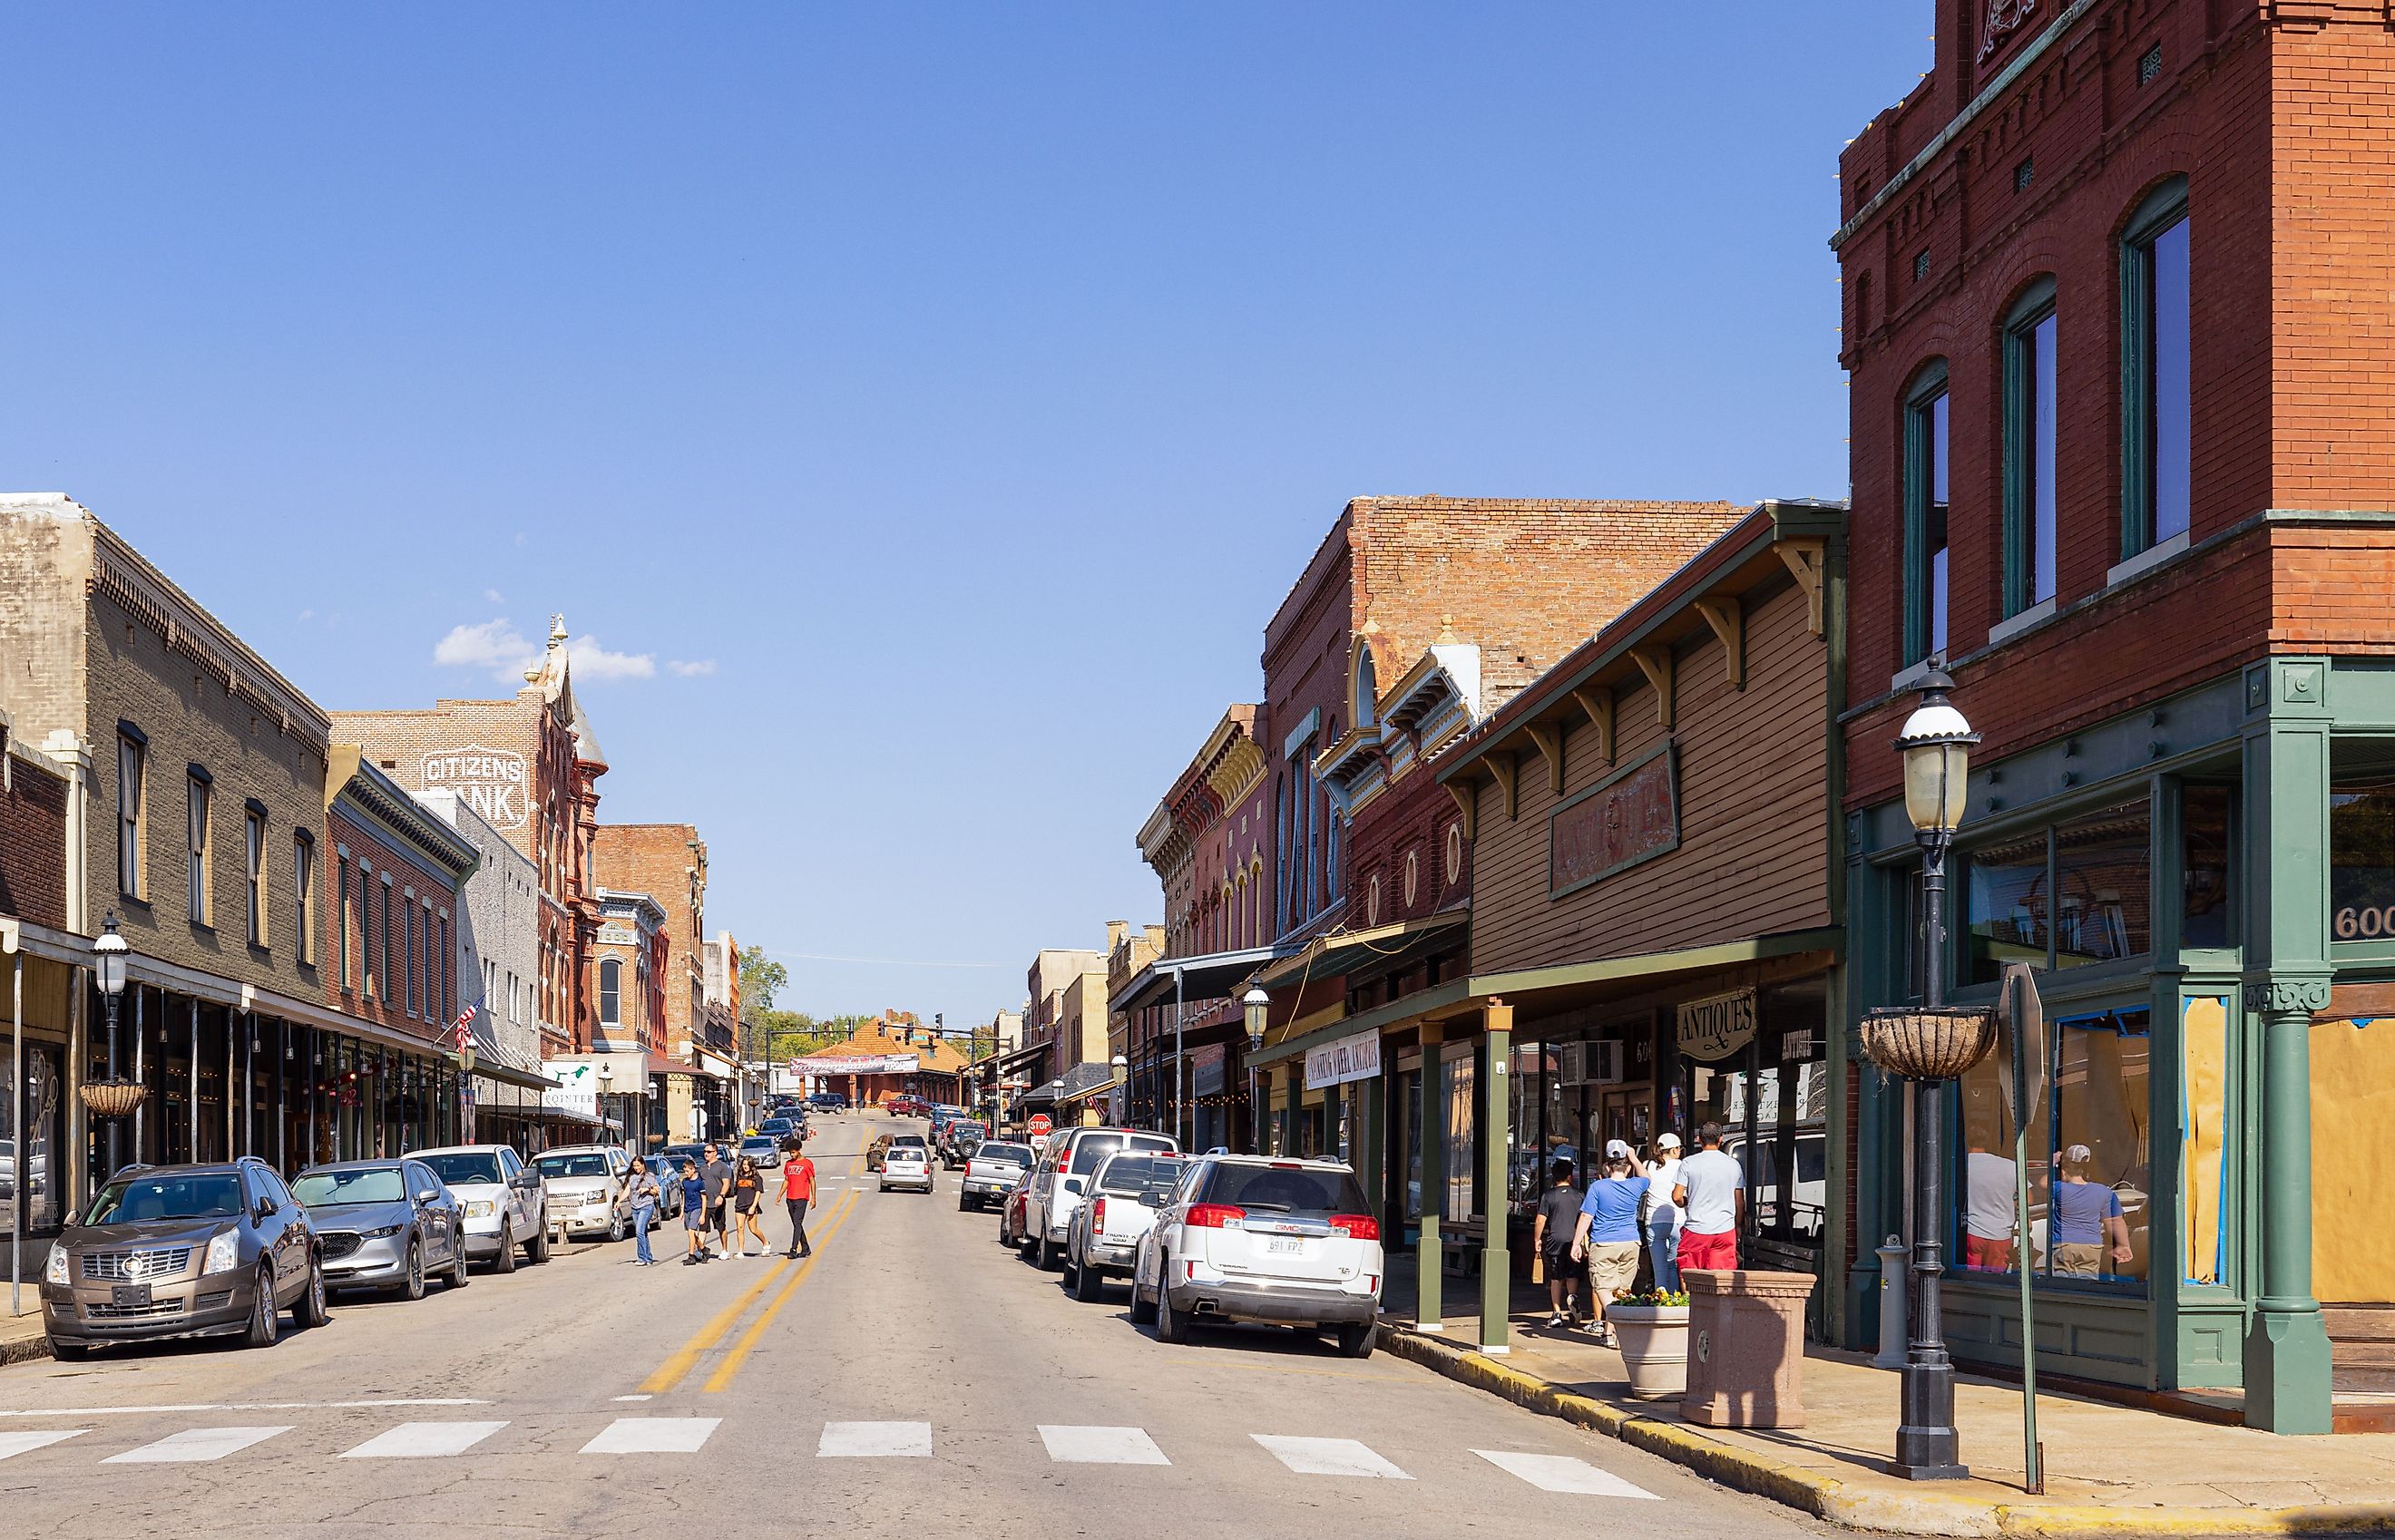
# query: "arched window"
{"points": [[1364, 697], [611, 992]]}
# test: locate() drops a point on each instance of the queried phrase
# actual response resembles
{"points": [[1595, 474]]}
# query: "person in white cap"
{"points": [[2086, 1215], [1663, 1214], [1607, 1236]]}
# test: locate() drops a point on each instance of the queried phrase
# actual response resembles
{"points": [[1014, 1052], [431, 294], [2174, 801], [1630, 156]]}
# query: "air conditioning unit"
{"points": [[1571, 1063], [1604, 1063]]}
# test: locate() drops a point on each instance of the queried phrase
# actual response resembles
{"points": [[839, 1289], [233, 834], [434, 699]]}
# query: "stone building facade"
{"points": [[498, 971]]}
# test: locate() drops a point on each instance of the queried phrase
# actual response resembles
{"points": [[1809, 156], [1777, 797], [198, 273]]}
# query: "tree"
{"points": [[761, 980]]}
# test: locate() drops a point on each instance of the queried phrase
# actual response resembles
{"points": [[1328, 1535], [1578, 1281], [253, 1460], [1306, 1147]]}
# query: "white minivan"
{"points": [[1255, 1238], [1061, 1179]]}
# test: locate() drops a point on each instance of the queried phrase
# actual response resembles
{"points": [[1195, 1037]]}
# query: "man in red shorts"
{"points": [[1712, 1194]]}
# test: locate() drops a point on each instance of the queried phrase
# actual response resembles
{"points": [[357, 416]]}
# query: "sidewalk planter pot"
{"points": [[1654, 1348], [1915, 1044], [1746, 1356]]}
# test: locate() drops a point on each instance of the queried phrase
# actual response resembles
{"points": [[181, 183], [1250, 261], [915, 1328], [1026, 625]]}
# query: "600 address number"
{"points": [[2364, 924]]}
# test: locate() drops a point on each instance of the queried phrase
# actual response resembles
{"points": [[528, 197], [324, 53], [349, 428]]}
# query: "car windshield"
{"points": [[1132, 1175], [465, 1166], [377, 1184], [1291, 1189], [1018, 1155], [130, 1200], [758, 1141], [591, 1164]]}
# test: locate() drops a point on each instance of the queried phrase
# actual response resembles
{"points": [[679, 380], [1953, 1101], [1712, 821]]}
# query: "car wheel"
{"points": [[1142, 1310], [457, 1260], [536, 1249], [1356, 1340], [70, 1352], [615, 1226], [1089, 1285], [265, 1318], [1048, 1258], [412, 1287], [1169, 1324], [313, 1309], [506, 1262]]}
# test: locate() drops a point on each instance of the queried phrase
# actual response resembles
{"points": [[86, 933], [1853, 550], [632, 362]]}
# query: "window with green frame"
{"points": [[2067, 895], [2156, 373], [2030, 532], [1924, 515]]}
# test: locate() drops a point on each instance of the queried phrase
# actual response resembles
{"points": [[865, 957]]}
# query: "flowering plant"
{"points": [[1658, 1297]]}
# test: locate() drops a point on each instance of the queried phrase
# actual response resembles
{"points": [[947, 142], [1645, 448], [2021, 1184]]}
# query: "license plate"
{"points": [[129, 1297], [1284, 1245]]}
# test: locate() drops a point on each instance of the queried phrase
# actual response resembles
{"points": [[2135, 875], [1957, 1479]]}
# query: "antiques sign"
{"points": [[1711, 1030], [490, 781], [1631, 818]]}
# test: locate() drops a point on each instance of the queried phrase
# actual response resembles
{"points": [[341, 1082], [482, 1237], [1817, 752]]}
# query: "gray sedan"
{"points": [[384, 1224]]}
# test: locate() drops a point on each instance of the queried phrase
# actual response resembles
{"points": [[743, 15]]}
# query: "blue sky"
{"points": [[915, 409]]}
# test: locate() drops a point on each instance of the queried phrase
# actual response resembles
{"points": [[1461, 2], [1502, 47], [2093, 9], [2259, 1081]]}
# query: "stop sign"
{"points": [[1040, 1126]]}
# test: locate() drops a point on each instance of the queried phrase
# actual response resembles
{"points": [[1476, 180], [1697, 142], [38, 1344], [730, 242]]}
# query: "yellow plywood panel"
{"points": [[2353, 1105], [2204, 1042]]}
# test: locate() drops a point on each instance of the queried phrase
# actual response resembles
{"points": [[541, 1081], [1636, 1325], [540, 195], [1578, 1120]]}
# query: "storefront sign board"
{"points": [[1712, 1028], [857, 1063], [1356, 1057], [1631, 817]]}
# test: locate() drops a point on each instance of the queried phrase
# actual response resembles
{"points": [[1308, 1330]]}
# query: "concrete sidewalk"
{"points": [[2110, 1470]]}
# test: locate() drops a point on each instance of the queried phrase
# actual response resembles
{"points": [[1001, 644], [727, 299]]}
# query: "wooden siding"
{"points": [[1754, 844]]}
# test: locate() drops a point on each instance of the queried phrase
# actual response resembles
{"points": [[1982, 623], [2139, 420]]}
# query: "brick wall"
{"points": [[660, 860], [390, 885], [33, 840]]}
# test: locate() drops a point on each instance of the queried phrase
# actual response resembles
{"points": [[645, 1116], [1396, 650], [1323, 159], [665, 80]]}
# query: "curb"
{"points": [[24, 1350], [1836, 1502]]}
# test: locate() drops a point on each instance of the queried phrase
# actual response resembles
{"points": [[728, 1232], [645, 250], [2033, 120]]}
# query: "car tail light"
{"points": [[1356, 1227], [1098, 1216], [1216, 1217]]}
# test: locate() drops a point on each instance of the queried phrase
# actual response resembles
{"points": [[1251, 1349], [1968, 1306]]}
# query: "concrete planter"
{"points": [[1654, 1348]]}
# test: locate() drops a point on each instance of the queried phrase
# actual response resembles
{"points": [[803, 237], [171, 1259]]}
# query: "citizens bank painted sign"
{"points": [[1356, 1057], [1632, 816], [490, 781], [1712, 1030]]}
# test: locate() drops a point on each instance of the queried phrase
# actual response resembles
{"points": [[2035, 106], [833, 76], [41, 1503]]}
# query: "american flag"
{"points": [[465, 1029]]}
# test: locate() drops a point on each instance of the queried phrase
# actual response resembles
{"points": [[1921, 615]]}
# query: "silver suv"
{"points": [[169, 1251]]}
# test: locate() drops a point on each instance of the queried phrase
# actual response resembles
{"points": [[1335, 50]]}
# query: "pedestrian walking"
{"points": [[1712, 1195], [1606, 1235], [645, 1193], [797, 1190], [694, 1213], [1663, 1214], [1550, 1241], [748, 1207], [718, 1174]]}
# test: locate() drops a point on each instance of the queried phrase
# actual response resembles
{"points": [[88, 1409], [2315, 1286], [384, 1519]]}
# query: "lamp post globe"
{"points": [[1257, 1006]]}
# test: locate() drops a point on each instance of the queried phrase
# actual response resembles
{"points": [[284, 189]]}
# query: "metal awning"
{"points": [[1207, 977], [1012, 1058], [1333, 955], [504, 1074]]}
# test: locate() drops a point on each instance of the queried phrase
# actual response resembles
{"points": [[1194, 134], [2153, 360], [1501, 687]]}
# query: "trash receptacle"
{"points": [[1746, 1349]]}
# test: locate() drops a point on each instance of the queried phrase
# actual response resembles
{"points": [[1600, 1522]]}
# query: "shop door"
{"points": [[1624, 1112]]}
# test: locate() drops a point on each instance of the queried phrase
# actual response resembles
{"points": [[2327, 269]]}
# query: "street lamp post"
{"points": [[1256, 1003], [606, 1084], [1122, 1077], [465, 1085], [116, 1099], [1930, 1045]]}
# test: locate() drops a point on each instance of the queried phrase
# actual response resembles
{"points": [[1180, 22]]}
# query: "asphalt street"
{"points": [[914, 1380]]}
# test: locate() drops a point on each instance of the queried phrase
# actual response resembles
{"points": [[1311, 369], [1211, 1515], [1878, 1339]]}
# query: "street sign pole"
{"points": [[2026, 1020]]}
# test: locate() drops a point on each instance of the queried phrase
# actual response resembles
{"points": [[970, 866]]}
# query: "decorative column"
{"points": [[2288, 975], [1496, 1124], [1430, 1130]]}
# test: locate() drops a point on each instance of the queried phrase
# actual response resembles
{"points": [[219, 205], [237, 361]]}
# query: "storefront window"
{"points": [[1462, 1076], [2103, 882], [2004, 907], [2362, 840], [1409, 1120], [2208, 918], [1525, 1144], [2091, 1152]]}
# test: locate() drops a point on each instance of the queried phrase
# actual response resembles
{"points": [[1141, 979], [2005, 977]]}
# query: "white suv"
{"points": [[1125, 1192], [1071, 1158], [907, 1165], [506, 1206], [1250, 1238]]}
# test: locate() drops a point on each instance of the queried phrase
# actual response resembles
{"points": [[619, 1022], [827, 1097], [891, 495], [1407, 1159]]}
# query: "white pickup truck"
{"points": [[1124, 1195], [990, 1174]]}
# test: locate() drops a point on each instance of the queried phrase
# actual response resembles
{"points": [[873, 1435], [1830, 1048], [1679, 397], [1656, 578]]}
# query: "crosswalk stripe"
{"points": [[22, 1443], [423, 1441], [1100, 1445], [653, 1436], [193, 1445], [874, 1440], [1563, 1473], [1327, 1457]]}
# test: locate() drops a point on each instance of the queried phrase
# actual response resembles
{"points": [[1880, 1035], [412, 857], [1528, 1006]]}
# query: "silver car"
{"points": [[589, 1189], [386, 1224]]}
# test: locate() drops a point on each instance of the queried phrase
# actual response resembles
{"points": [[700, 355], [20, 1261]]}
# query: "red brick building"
{"points": [[2119, 318], [529, 765], [668, 864], [32, 833]]}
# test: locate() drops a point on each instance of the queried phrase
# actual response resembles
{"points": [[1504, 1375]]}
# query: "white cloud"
{"points": [[594, 662], [495, 645], [492, 595], [689, 669]]}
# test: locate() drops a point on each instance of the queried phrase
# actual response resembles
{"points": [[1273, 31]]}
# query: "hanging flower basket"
{"points": [[112, 1098], [1916, 1043]]}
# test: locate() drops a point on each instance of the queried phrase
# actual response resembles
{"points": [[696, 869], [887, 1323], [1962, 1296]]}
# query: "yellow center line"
{"points": [[730, 1367], [686, 1358]]}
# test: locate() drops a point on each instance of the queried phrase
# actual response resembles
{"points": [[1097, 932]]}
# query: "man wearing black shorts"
{"points": [[719, 1200]]}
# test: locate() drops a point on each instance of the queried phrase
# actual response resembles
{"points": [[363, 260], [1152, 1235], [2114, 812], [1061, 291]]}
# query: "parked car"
{"points": [[506, 1206], [764, 1148], [386, 1224], [667, 1170], [589, 1187], [1063, 1174], [829, 1101], [905, 1164], [1250, 1238], [958, 1140], [1010, 1210], [169, 1251], [907, 1106], [992, 1171], [1125, 1192]]}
